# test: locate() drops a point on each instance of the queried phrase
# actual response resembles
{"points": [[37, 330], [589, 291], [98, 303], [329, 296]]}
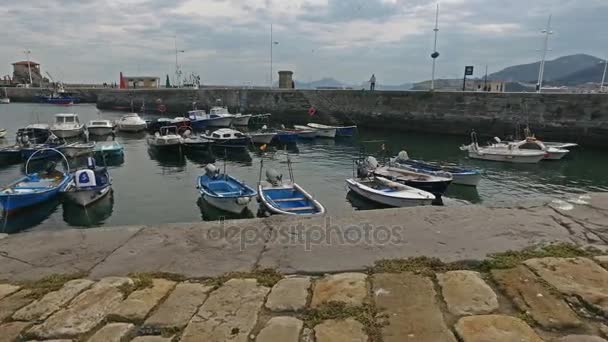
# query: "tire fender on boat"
{"points": [[312, 111]]}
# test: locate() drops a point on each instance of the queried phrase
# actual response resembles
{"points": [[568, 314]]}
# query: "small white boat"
{"points": [[89, 185], [2, 132], [131, 123], [560, 145], [224, 191], [241, 119], [167, 139], [5, 99], [227, 137], [503, 153], [393, 194], [221, 112], [261, 137], [100, 127], [323, 131], [533, 144], [305, 132], [77, 149], [67, 125]]}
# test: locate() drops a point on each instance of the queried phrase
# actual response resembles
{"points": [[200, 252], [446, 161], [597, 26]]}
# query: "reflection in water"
{"points": [[211, 213], [167, 158], [127, 136], [92, 216], [28, 217], [468, 193], [238, 155], [200, 157]]}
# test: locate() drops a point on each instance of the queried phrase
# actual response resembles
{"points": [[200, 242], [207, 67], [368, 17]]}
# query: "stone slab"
{"points": [[86, 311], [51, 302], [152, 339], [466, 293], [532, 297], [194, 250], [10, 332], [348, 288], [139, 303], [348, 330], [579, 277], [448, 233], [402, 297], [177, 310], [14, 302], [7, 289], [35, 255], [281, 329], [289, 294], [113, 332], [580, 338], [495, 328], [229, 314]]}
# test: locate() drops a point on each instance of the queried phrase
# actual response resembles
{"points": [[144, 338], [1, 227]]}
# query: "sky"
{"points": [[228, 41]]}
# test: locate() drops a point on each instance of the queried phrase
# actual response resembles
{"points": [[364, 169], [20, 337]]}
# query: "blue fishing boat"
{"points": [[346, 131], [285, 197], [34, 188], [200, 120], [224, 191], [39, 151], [460, 175], [285, 137]]}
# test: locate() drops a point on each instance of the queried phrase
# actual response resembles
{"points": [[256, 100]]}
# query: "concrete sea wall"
{"points": [[581, 118]]}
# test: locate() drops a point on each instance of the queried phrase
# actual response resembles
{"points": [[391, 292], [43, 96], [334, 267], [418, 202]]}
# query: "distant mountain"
{"points": [[556, 69], [333, 83], [591, 74]]}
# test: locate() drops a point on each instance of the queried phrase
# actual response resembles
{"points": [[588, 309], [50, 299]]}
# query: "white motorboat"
{"points": [[221, 112], [167, 139], [305, 132], [77, 149], [503, 153], [241, 119], [131, 123], [67, 125], [261, 138], [393, 194], [199, 119], [100, 127], [560, 145], [227, 137], [323, 131], [5, 99], [533, 144], [89, 185]]}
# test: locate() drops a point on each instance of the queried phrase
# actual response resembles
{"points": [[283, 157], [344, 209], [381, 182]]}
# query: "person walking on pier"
{"points": [[372, 82]]}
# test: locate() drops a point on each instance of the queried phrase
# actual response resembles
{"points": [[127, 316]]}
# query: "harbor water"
{"points": [[152, 188]]}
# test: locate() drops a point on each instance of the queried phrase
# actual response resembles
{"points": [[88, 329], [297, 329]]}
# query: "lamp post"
{"points": [[272, 44], [178, 72], [547, 32], [604, 75], [435, 54], [29, 67]]}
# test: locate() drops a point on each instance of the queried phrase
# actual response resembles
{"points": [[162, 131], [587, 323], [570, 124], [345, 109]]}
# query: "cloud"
{"points": [[228, 41]]}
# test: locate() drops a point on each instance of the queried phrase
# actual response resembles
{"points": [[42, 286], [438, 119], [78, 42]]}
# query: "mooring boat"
{"points": [[200, 120], [346, 131], [76, 149], [131, 123], [166, 139], [109, 149], [304, 132], [280, 197], [533, 144], [323, 131], [261, 138], [33, 134], [10, 154], [502, 152], [34, 188], [224, 191], [100, 127], [241, 119], [227, 137], [386, 192], [460, 175], [67, 125], [2, 132], [89, 185], [5, 99]]}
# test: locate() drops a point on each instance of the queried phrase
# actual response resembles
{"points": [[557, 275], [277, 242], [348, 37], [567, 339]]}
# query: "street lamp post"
{"points": [[435, 54], [272, 44], [29, 68], [547, 32], [604, 76]]}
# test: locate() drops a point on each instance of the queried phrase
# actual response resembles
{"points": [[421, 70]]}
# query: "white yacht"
{"points": [[131, 123], [100, 127], [67, 125]]}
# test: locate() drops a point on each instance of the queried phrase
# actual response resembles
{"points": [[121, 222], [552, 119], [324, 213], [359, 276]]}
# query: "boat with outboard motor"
{"points": [[89, 184], [67, 125], [386, 192], [502, 152], [224, 191], [533, 144], [76, 149], [460, 175], [33, 134], [166, 139]]}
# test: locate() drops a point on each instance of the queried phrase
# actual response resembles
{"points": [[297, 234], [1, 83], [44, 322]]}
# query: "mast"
{"points": [[547, 32], [435, 54]]}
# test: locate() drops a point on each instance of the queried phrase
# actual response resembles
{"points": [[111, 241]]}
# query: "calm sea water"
{"points": [[151, 188]]}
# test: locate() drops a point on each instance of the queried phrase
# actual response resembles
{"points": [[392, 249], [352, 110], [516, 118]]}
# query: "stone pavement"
{"points": [[539, 299]]}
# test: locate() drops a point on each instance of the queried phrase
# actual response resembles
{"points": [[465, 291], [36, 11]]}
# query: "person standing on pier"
{"points": [[372, 82]]}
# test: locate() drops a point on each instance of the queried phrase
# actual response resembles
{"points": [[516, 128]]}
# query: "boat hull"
{"points": [[2, 133], [329, 133], [219, 122], [241, 142], [459, 175], [556, 155], [5, 100], [346, 131], [286, 138], [73, 152], [68, 133], [262, 138], [89, 196], [132, 128], [100, 131], [12, 203], [466, 179], [508, 158], [290, 197], [242, 120], [229, 204], [386, 200]]}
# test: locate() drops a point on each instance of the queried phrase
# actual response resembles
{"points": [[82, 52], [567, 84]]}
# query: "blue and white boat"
{"points": [[223, 191], [40, 151], [460, 175], [34, 188], [285, 137], [89, 184], [346, 131], [227, 137], [200, 120], [278, 197]]}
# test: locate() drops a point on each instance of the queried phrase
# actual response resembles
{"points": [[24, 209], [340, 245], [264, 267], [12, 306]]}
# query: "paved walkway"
{"points": [[305, 245], [543, 299]]}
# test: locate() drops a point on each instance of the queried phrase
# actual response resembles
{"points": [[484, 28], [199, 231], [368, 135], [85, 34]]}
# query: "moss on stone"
{"points": [[265, 277], [366, 314], [49, 283]]}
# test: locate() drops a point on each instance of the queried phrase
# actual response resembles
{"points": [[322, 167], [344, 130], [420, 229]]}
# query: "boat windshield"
{"points": [[66, 119]]}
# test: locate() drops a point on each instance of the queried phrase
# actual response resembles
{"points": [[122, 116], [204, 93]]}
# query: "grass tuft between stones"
{"points": [[265, 277], [428, 266], [366, 314], [50, 283]]}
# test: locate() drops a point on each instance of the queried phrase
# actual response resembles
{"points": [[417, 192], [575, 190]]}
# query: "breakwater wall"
{"points": [[581, 118]]}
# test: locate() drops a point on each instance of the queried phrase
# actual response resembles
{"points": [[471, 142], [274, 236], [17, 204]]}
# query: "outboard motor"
{"points": [[403, 156], [91, 163], [366, 167], [273, 177], [212, 171]]}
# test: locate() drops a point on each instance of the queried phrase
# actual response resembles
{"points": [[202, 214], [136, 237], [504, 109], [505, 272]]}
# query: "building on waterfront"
{"points": [[143, 82], [487, 86], [22, 70], [286, 79]]}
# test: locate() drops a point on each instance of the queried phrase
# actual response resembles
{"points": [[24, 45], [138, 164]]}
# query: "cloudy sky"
{"points": [[228, 41]]}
